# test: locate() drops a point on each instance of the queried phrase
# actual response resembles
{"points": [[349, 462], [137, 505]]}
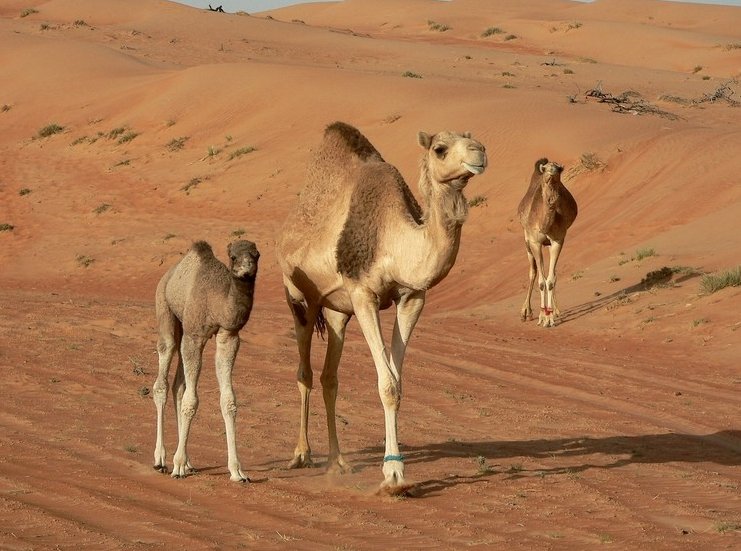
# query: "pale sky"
{"points": [[251, 6]]}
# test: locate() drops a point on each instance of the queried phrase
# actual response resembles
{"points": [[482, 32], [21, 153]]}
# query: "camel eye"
{"points": [[440, 150], [233, 258]]}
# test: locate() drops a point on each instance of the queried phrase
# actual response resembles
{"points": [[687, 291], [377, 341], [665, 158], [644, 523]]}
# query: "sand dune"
{"points": [[619, 425]]}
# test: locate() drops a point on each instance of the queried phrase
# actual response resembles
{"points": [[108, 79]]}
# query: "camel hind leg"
{"points": [[191, 351], [304, 318], [168, 342]]}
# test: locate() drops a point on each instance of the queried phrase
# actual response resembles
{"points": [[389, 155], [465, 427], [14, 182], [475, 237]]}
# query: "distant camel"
{"points": [[546, 212], [197, 298], [359, 241]]}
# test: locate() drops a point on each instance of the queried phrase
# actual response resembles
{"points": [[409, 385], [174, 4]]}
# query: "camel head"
{"points": [[243, 257], [551, 171], [451, 157]]}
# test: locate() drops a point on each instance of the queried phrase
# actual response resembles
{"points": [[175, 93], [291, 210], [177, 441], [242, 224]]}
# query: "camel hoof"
{"points": [[160, 469], [301, 462], [339, 467], [244, 480]]}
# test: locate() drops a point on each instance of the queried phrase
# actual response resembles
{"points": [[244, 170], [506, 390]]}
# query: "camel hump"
{"points": [[202, 249], [352, 140]]}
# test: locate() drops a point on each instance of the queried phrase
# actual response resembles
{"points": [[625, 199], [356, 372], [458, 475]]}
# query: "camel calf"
{"points": [[546, 212], [196, 299]]}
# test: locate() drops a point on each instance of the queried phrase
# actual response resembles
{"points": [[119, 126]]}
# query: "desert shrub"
{"points": [[100, 209], [492, 31], [477, 200], [5, 108], [84, 260], [410, 74], [644, 253], [435, 26], [116, 132], [6, 227], [710, 283], [177, 143], [727, 526], [127, 137], [50, 130], [24, 191], [29, 11], [241, 151], [510, 37], [190, 185], [657, 277], [590, 161]]}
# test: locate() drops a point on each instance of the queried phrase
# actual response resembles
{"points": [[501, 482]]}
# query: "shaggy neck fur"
{"points": [[444, 203]]}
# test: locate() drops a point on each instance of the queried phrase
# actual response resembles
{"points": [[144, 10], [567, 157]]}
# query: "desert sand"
{"points": [[619, 427]]}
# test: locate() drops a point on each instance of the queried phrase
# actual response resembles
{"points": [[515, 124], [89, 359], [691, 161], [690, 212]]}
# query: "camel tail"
{"points": [[320, 324]]}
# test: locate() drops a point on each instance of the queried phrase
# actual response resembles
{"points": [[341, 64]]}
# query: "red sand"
{"points": [[621, 425]]}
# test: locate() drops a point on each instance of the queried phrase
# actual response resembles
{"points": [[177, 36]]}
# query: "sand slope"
{"points": [[620, 425]]}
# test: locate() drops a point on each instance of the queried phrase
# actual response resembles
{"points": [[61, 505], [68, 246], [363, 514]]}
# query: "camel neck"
{"points": [[434, 244], [242, 288], [551, 190]]}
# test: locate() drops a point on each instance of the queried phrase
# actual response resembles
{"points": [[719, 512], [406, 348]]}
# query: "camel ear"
{"points": [[229, 250], [466, 134], [541, 168], [424, 139]]}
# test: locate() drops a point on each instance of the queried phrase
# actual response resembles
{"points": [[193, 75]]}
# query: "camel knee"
{"points": [[166, 345], [229, 406], [390, 394], [305, 376], [188, 407], [329, 381], [159, 392]]}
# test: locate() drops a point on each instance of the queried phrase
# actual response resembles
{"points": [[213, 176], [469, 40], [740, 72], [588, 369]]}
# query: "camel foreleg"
{"points": [[365, 306], [227, 346]]}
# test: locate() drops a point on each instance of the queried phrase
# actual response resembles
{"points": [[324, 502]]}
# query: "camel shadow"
{"points": [[721, 448], [622, 295]]}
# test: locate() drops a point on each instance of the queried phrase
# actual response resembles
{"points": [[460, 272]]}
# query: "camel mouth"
{"points": [[474, 169]]}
